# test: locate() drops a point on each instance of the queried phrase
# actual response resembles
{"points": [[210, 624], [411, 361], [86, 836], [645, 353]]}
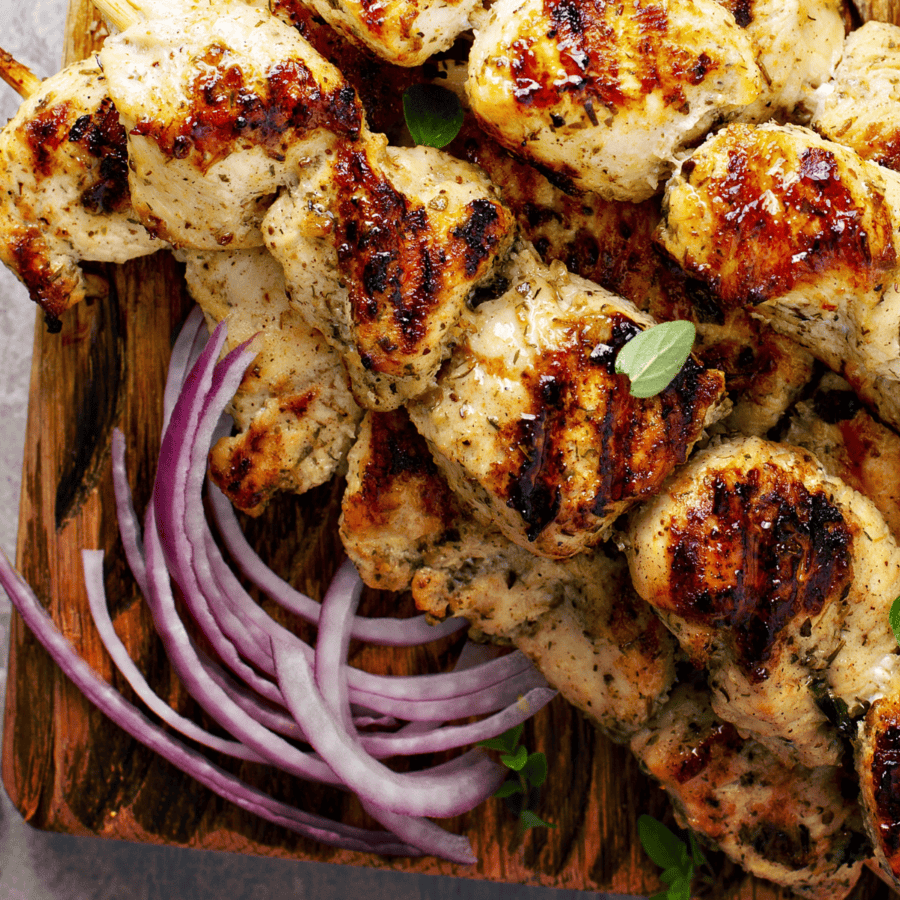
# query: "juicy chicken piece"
{"points": [[607, 94], [860, 106], [850, 444], [778, 579], [223, 107], [805, 233], [794, 826], [878, 765], [403, 32], [64, 189], [611, 243], [532, 426], [385, 275], [797, 44], [579, 620], [294, 412]]}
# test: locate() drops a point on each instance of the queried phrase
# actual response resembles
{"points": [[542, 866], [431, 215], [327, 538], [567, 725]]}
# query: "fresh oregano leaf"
{"points": [[433, 114], [652, 358], [507, 789], [535, 769], [697, 856], [515, 761], [894, 618], [529, 820], [505, 742], [664, 847]]}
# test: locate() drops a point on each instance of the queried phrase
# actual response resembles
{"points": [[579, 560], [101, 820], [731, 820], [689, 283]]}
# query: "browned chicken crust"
{"points": [[799, 827], [579, 620], [531, 424], [611, 242], [878, 763]]}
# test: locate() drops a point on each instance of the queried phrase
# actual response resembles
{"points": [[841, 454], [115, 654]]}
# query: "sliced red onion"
{"points": [[132, 721], [439, 794], [92, 560]]}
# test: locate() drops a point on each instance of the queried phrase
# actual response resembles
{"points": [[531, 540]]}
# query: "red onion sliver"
{"points": [[431, 793], [92, 561], [132, 721]]}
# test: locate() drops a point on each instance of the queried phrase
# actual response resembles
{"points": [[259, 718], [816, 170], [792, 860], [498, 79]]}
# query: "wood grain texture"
{"points": [[67, 768]]}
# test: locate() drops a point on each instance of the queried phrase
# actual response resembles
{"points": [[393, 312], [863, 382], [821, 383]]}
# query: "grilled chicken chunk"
{"points": [[611, 243], [403, 32], [64, 189], [851, 444], [607, 94], [878, 764], [797, 44], [578, 620], [794, 826], [804, 232], [223, 107], [385, 273], [860, 106], [531, 425], [294, 412], [778, 579]]}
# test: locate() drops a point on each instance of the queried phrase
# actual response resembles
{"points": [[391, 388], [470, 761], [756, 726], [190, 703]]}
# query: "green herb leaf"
{"points": [[529, 820], [433, 114], [505, 742], [696, 853], [507, 789], [515, 761], [894, 618], [652, 358], [535, 769], [664, 847]]}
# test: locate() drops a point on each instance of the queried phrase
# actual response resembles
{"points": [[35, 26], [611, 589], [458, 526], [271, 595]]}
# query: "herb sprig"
{"points": [[652, 358], [672, 855], [528, 773], [894, 618], [433, 114]]}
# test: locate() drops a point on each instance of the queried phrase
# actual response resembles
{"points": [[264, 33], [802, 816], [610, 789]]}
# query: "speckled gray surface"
{"points": [[35, 865]]}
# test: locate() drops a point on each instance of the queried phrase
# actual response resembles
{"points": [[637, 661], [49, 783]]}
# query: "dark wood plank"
{"points": [[69, 769]]}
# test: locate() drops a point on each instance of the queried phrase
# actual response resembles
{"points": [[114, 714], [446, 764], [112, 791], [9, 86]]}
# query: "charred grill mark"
{"points": [[103, 137], [398, 453], [385, 248], [586, 432], [225, 108], [45, 133], [722, 739], [590, 39], [784, 843], [53, 291], [480, 234], [757, 550], [742, 10], [885, 777], [815, 224]]}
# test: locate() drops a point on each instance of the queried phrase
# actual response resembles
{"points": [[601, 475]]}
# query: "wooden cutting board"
{"points": [[67, 768]]}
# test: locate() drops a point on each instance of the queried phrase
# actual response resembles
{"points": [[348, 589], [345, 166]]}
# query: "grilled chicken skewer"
{"points": [[805, 233], [64, 187], [532, 427], [295, 414], [578, 620], [606, 95], [778, 579], [791, 825]]}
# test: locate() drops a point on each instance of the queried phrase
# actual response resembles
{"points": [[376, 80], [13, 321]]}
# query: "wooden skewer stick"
{"points": [[18, 76], [120, 13]]}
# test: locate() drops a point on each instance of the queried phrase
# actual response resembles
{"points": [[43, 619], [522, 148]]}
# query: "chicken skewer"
{"points": [[64, 195]]}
